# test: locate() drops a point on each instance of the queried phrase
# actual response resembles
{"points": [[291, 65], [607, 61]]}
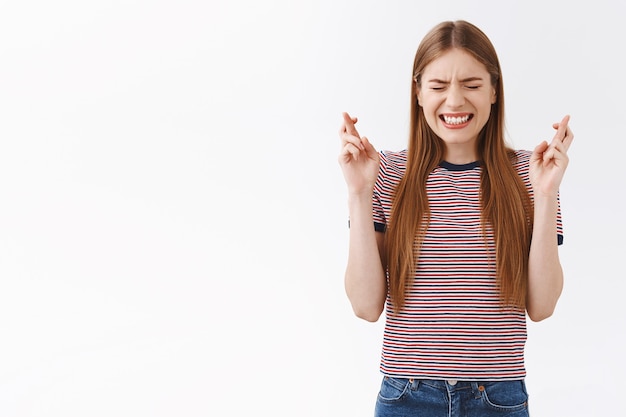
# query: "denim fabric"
{"points": [[399, 397]]}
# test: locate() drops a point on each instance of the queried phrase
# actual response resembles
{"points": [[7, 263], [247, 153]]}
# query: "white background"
{"points": [[173, 220]]}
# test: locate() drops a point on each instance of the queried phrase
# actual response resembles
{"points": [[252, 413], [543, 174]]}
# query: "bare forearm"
{"points": [[365, 281], [545, 275]]}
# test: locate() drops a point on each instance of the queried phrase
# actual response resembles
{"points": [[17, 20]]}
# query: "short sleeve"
{"points": [[559, 223], [378, 212]]}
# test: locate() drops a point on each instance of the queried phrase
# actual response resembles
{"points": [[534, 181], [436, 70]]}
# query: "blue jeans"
{"points": [[399, 397]]}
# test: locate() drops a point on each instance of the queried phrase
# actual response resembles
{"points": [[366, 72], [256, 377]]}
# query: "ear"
{"points": [[418, 95], [494, 96]]}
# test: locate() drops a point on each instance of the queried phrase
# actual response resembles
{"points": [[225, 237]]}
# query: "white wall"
{"points": [[173, 226]]}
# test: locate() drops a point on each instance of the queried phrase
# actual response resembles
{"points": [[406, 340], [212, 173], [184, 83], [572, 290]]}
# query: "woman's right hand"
{"points": [[358, 159]]}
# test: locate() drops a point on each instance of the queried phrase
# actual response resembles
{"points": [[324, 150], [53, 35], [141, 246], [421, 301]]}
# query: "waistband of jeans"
{"points": [[451, 384]]}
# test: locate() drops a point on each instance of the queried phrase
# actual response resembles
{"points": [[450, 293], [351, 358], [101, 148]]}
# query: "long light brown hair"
{"points": [[506, 205]]}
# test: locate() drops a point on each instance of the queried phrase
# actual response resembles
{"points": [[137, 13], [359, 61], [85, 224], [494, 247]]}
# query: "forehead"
{"points": [[455, 63]]}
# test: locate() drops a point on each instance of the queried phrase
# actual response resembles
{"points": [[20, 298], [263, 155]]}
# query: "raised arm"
{"points": [[545, 275], [365, 281]]}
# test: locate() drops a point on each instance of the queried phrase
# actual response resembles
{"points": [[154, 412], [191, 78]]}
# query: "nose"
{"points": [[455, 97]]}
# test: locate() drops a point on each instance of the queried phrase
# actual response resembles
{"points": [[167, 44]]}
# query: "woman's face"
{"points": [[456, 96]]}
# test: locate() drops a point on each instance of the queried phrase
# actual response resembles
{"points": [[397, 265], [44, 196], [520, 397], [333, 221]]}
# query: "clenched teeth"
{"points": [[456, 120]]}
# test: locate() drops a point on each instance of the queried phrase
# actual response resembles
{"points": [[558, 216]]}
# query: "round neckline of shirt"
{"points": [[459, 167]]}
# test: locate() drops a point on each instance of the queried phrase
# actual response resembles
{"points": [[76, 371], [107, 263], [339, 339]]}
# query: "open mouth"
{"points": [[456, 120]]}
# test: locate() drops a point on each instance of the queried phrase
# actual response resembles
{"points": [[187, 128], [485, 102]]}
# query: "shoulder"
{"points": [[521, 160], [395, 156], [394, 160], [392, 168]]}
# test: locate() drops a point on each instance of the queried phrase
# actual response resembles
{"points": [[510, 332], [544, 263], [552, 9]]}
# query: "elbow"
{"points": [[372, 318], [539, 309], [368, 302], [540, 315], [371, 314]]}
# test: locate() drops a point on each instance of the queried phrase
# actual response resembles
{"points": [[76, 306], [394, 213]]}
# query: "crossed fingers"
{"points": [[351, 142], [561, 141]]}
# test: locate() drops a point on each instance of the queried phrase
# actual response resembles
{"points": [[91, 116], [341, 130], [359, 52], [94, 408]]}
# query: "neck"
{"points": [[460, 155]]}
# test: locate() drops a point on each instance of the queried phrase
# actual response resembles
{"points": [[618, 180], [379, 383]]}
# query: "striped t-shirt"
{"points": [[453, 325]]}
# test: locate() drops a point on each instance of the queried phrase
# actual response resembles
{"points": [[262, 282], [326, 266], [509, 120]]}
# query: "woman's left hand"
{"points": [[549, 161]]}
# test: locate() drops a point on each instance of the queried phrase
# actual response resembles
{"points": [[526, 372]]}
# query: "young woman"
{"points": [[456, 237]]}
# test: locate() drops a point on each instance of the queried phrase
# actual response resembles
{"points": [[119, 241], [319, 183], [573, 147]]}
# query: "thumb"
{"points": [[539, 150], [369, 148]]}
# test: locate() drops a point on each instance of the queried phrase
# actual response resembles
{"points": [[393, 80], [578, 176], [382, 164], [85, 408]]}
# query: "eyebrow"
{"points": [[465, 80]]}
